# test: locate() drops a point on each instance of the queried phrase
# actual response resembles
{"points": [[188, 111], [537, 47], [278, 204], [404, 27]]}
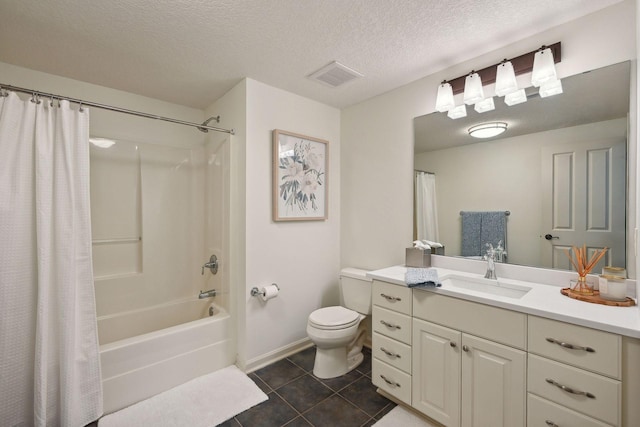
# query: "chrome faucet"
{"points": [[207, 294], [490, 257]]}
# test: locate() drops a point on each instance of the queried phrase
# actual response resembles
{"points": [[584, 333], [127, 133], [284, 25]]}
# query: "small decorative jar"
{"points": [[582, 286], [613, 288]]}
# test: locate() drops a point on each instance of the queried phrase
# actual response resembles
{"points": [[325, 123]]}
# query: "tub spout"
{"points": [[207, 294]]}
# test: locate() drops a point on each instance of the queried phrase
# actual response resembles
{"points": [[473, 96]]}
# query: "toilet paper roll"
{"points": [[269, 292]]}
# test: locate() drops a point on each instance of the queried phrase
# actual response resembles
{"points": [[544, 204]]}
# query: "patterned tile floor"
{"points": [[298, 398]]}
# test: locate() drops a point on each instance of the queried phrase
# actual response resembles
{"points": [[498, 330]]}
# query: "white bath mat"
{"points": [[203, 402], [399, 416]]}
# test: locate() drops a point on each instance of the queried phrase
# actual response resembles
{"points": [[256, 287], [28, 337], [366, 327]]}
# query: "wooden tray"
{"points": [[597, 299]]}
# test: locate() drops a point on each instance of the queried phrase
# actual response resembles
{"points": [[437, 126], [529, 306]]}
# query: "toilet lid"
{"points": [[334, 318]]}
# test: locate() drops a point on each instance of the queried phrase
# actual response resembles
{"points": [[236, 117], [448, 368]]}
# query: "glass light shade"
{"points": [[458, 112], [444, 101], [517, 97], [487, 130], [473, 89], [505, 79], [486, 104], [551, 88], [544, 69]]}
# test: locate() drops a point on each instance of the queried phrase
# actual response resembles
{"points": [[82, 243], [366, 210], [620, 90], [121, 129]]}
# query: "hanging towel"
{"points": [[421, 277], [493, 229], [471, 231]]}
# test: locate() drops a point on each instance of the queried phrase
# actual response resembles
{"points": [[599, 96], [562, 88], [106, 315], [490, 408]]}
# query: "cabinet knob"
{"points": [[465, 348], [452, 344]]}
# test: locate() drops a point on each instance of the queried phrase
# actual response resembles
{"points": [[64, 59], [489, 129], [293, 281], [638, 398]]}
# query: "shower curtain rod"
{"points": [[203, 127]]}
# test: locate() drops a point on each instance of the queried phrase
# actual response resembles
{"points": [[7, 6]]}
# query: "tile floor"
{"points": [[298, 398]]}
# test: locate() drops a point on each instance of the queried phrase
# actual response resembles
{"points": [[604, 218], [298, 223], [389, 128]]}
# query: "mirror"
{"points": [[560, 170]]}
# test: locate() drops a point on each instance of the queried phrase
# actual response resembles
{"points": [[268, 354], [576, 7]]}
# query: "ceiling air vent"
{"points": [[335, 74]]}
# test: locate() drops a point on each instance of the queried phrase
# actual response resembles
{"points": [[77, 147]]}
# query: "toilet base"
{"points": [[333, 362]]}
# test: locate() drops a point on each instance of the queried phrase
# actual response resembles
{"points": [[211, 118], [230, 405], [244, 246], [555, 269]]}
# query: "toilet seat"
{"points": [[332, 318]]}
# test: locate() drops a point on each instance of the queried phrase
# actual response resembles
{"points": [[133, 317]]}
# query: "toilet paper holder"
{"points": [[255, 291]]}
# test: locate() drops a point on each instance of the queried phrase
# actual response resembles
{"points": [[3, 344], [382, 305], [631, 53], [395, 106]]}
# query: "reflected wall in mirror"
{"points": [[560, 169]]}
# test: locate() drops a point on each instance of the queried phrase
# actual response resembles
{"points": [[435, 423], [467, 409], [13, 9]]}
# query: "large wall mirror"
{"points": [[560, 170]]}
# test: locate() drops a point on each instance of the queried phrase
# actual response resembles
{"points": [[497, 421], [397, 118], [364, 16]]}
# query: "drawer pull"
{"points": [[570, 346], [390, 325], [388, 381], [551, 423], [389, 353], [390, 298], [569, 389]]}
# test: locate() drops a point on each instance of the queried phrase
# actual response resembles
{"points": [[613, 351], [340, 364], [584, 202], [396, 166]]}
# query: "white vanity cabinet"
{"points": [[574, 375], [461, 379], [391, 339]]}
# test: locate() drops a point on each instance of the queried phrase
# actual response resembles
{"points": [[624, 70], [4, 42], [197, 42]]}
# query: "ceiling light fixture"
{"points": [[487, 130]]}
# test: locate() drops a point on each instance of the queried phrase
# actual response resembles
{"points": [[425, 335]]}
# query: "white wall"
{"points": [[303, 258], [377, 135]]}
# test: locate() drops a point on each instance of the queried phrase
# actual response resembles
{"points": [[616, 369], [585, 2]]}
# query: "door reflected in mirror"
{"points": [[560, 169]]}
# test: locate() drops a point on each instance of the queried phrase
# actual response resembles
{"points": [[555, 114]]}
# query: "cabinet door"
{"points": [[436, 372], [493, 384]]}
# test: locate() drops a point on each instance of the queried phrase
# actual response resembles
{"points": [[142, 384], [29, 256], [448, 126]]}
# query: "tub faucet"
{"points": [[490, 257], [207, 294]]}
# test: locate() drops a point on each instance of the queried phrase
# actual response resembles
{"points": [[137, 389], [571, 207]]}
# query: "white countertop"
{"points": [[542, 300]]}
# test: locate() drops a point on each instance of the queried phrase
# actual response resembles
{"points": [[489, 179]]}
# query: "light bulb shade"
{"points": [[517, 97], [458, 112], [487, 130], [505, 79], [444, 101], [486, 104], [551, 88], [544, 69], [473, 89]]}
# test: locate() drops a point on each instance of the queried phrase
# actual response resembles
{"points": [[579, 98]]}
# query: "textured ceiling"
{"points": [[191, 52]]}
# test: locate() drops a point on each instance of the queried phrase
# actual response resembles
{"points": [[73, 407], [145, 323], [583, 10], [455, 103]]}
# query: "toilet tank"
{"points": [[355, 288]]}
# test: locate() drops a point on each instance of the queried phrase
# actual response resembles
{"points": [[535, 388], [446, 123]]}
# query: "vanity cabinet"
{"points": [[391, 339], [574, 371], [460, 379]]}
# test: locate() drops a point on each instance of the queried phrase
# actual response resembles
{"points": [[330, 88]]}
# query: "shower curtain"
{"points": [[426, 207], [49, 360]]}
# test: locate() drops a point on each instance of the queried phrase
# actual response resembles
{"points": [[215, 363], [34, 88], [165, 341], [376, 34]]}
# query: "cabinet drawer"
{"points": [[597, 351], [392, 324], [605, 404], [393, 297], [497, 324], [392, 380], [392, 352], [542, 413]]}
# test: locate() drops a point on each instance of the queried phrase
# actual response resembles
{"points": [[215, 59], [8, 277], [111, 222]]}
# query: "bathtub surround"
{"points": [[49, 365], [206, 401]]}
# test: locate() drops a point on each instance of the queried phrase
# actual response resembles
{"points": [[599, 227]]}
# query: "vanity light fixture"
{"points": [[486, 104], [458, 112], [505, 79], [554, 87], [473, 89], [444, 100], [544, 69], [487, 130], [504, 76]]}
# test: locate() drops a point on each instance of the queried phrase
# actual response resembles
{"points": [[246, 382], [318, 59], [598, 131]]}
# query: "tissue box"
{"points": [[416, 257]]}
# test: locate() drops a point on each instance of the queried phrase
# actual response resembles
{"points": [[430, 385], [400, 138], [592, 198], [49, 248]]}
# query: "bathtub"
{"points": [[139, 361]]}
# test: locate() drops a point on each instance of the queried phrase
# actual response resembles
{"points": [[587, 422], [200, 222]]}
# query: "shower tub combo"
{"points": [[158, 214]]}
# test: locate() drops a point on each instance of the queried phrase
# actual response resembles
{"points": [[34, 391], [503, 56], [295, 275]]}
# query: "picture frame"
{"points": [[300, 177]]}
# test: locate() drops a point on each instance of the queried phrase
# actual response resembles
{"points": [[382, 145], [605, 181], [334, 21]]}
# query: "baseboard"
{"points": [[277, 354]]}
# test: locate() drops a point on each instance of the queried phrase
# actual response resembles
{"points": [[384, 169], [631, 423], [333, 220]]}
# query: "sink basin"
{"points": [[486, 286]]}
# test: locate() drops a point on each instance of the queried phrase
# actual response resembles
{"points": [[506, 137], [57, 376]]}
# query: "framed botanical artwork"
{"points": [[300, 169]]}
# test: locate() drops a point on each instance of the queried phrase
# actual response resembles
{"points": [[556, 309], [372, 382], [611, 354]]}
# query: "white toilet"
{"points": [[338, 332]]}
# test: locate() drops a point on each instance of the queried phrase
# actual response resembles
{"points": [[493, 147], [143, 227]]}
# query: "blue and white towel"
{"points": [[421, 277]]}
